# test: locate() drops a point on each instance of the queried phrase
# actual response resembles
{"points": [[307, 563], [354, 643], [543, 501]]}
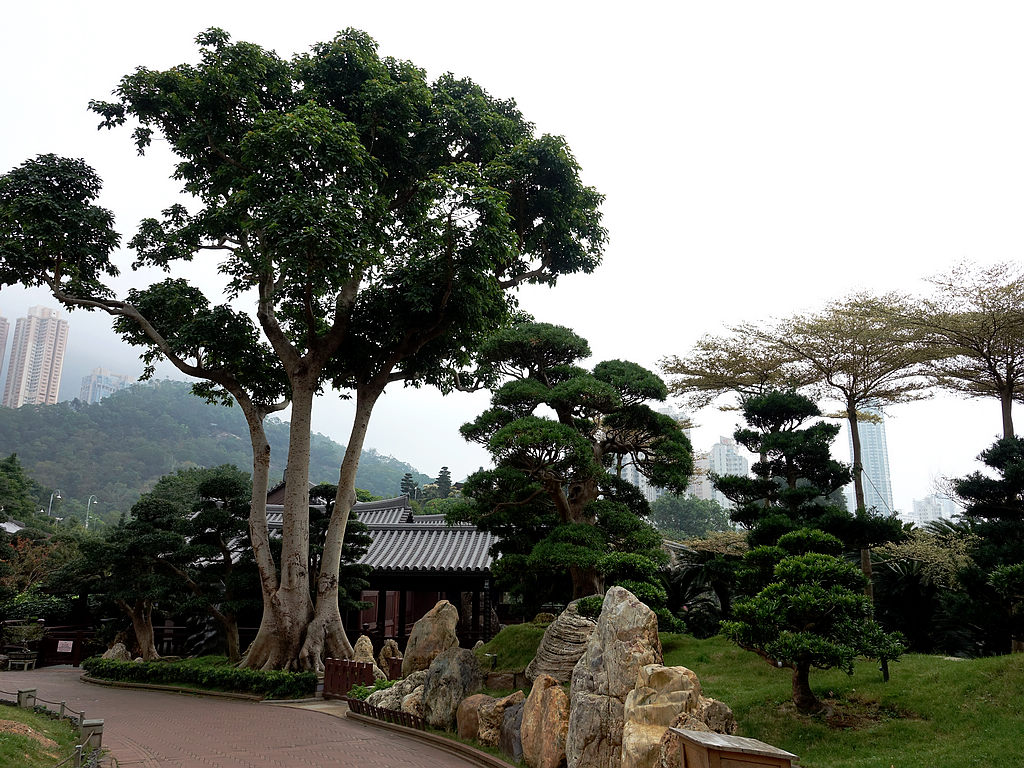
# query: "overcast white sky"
{"points": [[758, 158]]}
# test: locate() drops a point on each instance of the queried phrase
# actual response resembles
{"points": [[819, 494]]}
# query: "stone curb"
{"points": [[172, 689], [448, 745]]}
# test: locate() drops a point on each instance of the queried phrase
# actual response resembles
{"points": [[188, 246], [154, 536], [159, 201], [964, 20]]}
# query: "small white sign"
{"points": [[64, 646]]}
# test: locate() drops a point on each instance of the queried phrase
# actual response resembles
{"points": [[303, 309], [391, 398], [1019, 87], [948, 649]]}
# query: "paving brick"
{"points": [[150, 729]]}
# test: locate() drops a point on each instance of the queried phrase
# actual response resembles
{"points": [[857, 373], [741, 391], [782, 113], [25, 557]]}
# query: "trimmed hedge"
{"points": [[269, 684]]}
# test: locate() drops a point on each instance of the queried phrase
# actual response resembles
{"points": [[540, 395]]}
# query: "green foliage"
{"points": [[119, 447], [812, 614], [19, 494], [269, 684], [995, 511], [590, 606], [554, 496], [361, 692], [34, 603], [685, 517]]}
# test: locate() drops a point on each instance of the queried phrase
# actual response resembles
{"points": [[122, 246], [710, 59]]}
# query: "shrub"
{"points": [[590, 606], [362, 692], [270, 684]]}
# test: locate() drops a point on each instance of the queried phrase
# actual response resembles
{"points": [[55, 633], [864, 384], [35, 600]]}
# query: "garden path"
{"points": [[153, 729]]}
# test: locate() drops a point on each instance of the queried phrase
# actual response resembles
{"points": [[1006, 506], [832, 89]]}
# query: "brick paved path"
{"points": [[144, 729]]}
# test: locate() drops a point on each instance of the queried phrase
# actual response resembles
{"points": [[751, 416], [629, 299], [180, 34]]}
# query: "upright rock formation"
{"points": [[362, 652], [388, 652], [452, 676], [565, 640], [430, 636], [545, 724], [624, 640]]}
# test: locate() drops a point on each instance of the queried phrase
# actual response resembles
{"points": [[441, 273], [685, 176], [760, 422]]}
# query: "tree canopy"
{"points": [[559, 435], [377, 219]]}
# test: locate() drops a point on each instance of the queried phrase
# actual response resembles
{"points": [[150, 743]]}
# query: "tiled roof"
{"points": [[419, 547], [401, 541]]}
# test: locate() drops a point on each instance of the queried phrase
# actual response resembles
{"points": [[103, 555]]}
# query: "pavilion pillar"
{"points": [[403, 598]]}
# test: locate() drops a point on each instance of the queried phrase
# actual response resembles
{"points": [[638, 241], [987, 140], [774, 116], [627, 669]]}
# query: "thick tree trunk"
{"points": [[141, 614], [803, 696], [585, 582], [230, 626], [326, 636], [288, 609]]}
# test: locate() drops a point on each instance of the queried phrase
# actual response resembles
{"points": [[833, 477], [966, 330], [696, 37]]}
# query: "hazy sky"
{"points": [[758, 158]]}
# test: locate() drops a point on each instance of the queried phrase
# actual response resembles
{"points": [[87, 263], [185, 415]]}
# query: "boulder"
{"points": [[467, 716], [511, 742], [565, 640], [545, 724], [430, 636], [492, 715], [388, 652], [452, 676], [391, 698], [624, 640], [117, 652], [362, 652], [413, 703], [661, 694]]}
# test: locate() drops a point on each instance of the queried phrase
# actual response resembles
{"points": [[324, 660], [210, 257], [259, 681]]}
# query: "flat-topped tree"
{"points": [[378, 219], [555, 491]]}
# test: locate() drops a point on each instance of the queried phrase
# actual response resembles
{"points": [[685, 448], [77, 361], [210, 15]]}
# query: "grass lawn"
{"points": [[32, 740], [933, 713]]}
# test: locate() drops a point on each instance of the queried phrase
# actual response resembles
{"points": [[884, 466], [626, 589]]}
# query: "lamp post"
{"points": [[92, 498], [56, 494]]}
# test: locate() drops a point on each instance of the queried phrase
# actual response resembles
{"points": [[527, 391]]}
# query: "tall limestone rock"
{"points": [[624, 641], [433, 634]]}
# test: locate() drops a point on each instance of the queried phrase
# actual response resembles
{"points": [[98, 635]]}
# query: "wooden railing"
{"points": [[387, 715], [341, 674]]}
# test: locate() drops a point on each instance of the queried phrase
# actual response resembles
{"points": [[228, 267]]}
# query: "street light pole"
{"points": [[92, 498], [56, 493]]}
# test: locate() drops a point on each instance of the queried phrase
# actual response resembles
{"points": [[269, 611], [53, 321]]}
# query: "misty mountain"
{"points": [[118, 448]]}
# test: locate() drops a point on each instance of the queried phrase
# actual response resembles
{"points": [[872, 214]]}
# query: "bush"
{"points": [[590, 606], [35, 604], [269, 684], [362, 692]]}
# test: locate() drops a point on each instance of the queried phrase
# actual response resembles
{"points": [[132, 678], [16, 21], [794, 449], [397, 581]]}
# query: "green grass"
{"points": [[515, 647], [933, 713], [21, 750]]}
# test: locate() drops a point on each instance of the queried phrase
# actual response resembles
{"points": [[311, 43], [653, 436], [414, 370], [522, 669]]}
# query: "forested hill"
{"points": [[119, 447]]}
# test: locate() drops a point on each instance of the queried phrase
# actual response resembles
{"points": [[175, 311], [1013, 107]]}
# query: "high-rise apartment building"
{"points": [[875, 463], [4, 328], [724, 459], [101, 383], [37, 358], [931, 507]]}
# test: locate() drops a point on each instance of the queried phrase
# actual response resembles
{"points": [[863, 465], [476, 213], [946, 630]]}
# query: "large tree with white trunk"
{"points": [[370, 225]]}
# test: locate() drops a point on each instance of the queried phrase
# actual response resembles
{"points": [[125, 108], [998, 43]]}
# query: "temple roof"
{"points": [[401, 541]]}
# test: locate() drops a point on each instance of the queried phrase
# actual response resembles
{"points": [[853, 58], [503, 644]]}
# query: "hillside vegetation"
{"points": [[118, 448]]}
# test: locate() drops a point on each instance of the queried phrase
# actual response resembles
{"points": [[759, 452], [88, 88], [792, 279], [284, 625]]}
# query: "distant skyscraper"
{"points": [[101, 383], [931, 507], [725, 459], [4, 328], [37, 357], [875, 462]]}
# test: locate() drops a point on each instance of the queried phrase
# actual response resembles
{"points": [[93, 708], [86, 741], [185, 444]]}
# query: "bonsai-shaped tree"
{"points": [[813, 614], [560, 435]]}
